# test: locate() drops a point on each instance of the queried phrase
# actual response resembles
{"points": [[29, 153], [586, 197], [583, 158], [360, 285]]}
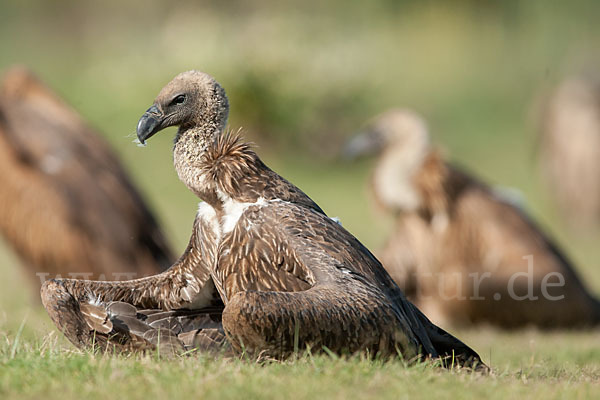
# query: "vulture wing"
{"points": [[293, 277], [181, 304], [69, 205], [517, 241]]}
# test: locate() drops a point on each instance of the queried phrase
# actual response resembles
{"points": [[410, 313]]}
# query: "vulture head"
{"points": [[400, 139], [192, 99], [395, 129]]}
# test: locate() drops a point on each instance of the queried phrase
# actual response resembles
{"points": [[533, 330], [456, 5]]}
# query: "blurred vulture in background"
{"points": [[459, 250], [67, 207], [570, 149]]}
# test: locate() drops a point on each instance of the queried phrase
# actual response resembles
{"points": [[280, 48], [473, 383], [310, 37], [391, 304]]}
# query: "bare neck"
{"points": [[188, 157], [219, 167], [393, 178]]}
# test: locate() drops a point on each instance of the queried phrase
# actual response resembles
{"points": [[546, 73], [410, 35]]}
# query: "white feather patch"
{"points": [[196, 299], [233, 210], [336, 220], [207, 214]]}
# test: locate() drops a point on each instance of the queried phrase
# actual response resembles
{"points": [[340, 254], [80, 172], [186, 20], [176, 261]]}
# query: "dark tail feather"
{"points": [[450, 349]]}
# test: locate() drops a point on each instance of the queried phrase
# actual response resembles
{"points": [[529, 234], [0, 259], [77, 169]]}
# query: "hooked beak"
{"points": [[149, 124], [363, 144]]}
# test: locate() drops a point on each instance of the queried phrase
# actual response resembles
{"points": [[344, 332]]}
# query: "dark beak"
{"points": [[149, 124], [363, 144]]}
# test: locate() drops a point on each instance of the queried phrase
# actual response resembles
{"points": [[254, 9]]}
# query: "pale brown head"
{"points": [[193, 99], [395, 129], [401, 140]]}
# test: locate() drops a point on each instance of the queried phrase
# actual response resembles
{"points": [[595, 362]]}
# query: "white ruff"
{"points": [[207, 213], [234, 210]]}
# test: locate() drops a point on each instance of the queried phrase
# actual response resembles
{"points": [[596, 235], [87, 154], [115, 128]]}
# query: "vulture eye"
{"points": [[178, 100]]}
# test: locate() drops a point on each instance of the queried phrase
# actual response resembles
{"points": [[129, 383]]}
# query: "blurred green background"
{"points": [[302, 77]]}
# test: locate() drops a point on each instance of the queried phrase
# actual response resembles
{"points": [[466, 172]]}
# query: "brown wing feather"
{"points": [[259, 259], [112, 327], [96, 317], [140, 308], [177, 287], [512, 235], [351, 304]]}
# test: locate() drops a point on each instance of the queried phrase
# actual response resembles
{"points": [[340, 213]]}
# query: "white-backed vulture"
{"points": [[284, 274], [569, 149], [67, 207], [462, 252]]}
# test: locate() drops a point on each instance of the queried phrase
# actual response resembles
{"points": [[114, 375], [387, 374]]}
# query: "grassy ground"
{"points": [[300, 80], [46, 369]]}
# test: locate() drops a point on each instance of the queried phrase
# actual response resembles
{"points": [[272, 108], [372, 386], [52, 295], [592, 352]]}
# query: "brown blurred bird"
{"points": [[67, 206], [463, 252], [285, 276], [569, 141]]}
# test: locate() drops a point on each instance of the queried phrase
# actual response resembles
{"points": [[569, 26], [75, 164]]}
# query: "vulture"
{"points": [[266, 273], [462, 251], [67, 206], [569, 150]]}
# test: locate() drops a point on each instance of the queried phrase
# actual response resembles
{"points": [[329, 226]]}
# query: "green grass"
{"points": [[46, 369], [301, 78]]}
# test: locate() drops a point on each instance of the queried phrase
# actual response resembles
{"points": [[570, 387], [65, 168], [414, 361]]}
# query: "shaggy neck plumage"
{"points": [[218, 167]]}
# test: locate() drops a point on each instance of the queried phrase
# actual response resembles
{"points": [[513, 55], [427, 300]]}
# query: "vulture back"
{"points": [[67, 206]]}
